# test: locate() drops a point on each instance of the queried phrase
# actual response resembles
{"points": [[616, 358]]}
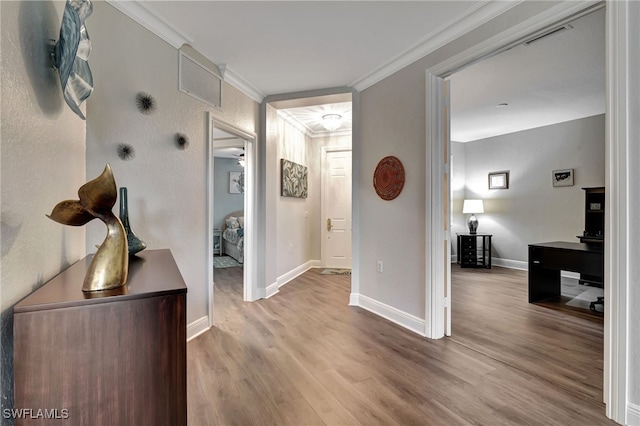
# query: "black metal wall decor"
{"points": [[181, 140], [126, 151], [146, 103]]}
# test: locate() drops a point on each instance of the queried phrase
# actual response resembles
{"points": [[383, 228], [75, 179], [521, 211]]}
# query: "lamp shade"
{"points": [[472, 206]]}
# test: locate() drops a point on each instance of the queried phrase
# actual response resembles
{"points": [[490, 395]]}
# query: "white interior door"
{"points": [[336, 225]]}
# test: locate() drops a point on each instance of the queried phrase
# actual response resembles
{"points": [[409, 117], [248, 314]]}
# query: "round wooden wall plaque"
{"points": [[388, 179]]}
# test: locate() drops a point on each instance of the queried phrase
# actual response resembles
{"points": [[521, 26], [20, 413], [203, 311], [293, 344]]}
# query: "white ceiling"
{"points": [[268, 47], [555, 79], [288, 46]]}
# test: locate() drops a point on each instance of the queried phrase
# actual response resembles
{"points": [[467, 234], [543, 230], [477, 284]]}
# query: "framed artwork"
{"points": [[562, 177], [499, 180], [293, 182], [236, 182]]}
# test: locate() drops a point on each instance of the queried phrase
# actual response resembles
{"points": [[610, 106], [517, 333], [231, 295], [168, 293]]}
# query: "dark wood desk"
{"points": [[546, 260]]}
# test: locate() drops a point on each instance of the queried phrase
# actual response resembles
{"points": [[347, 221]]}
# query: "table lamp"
{"points": [[472, 207]]}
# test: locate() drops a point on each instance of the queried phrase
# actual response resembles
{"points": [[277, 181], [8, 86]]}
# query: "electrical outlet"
{"points": [[379, 266]]}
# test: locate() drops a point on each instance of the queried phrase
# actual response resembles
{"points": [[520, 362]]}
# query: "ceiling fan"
{"points": [[240, 158]]}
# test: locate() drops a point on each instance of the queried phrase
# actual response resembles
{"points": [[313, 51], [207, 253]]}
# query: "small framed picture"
{"points": [[499, 180], [562, 177], [236, 182]]}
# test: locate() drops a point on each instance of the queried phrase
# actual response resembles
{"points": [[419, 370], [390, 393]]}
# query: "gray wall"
{"points": [[223, 201], [43, 163], [532, 210]]}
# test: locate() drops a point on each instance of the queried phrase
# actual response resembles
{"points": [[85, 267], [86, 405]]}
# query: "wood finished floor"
{"points": [[303, 357]]}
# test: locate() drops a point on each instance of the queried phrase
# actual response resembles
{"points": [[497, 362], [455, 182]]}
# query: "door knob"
{"points": [[329, 225]]}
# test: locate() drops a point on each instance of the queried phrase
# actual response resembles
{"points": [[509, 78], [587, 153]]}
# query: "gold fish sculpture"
{"points": [[109, 266]]}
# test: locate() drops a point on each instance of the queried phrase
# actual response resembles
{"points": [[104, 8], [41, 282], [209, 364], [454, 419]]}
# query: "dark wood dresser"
{"points": [[105, 358]]}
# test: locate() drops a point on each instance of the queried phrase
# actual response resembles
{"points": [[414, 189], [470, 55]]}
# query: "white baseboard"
{"points": [[285, 278], [353, 299], [403, 319], [271, 290], [511, 264], [197, 327], [633, 414]]}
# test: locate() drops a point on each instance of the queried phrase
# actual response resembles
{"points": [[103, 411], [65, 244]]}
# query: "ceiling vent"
{"points": [[547, 34], [199, 77]]}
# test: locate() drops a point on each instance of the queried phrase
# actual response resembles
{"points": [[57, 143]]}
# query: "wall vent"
{"points": [[199, 77], [547, 34]]}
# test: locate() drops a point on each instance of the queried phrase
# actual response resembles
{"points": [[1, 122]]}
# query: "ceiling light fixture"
{"points": [[502, 105], [331, 122]]}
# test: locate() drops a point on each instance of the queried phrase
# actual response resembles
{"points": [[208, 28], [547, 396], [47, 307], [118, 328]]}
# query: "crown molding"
{"points": [[137, 11], [289, 118], [327, 134], [243, 85], [451, 30]]}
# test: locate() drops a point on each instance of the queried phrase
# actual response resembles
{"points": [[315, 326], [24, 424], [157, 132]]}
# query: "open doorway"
{"points": [[228, 211], [231, 175], [527, 207], [314, 132]]}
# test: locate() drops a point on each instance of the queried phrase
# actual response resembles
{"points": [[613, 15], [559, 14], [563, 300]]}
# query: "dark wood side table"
{"points": [[474, 250], [107, 358]]}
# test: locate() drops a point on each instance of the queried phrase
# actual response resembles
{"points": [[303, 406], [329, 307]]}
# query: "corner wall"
{"points": [[42, 163]]}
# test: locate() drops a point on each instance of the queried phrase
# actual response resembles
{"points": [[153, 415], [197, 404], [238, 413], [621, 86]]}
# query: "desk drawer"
{"points": [[591, 263]]}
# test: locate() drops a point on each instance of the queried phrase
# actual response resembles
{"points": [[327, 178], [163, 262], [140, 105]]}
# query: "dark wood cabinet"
{"points": [[593, 216], [474, 250], [105, 358]]}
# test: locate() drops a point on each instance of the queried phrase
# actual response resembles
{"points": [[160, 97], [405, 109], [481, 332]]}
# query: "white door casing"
{"points": [[336, 208], [250, 280]]}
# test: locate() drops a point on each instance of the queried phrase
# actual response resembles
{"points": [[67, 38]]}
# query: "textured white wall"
{"points": [[43, 163], [166, 186], [532, 210]]}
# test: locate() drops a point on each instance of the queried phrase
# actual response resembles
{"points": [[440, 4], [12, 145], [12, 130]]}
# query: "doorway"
{"points": [[336, 207], [301, 128], [239, 198], [619, 28]]}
